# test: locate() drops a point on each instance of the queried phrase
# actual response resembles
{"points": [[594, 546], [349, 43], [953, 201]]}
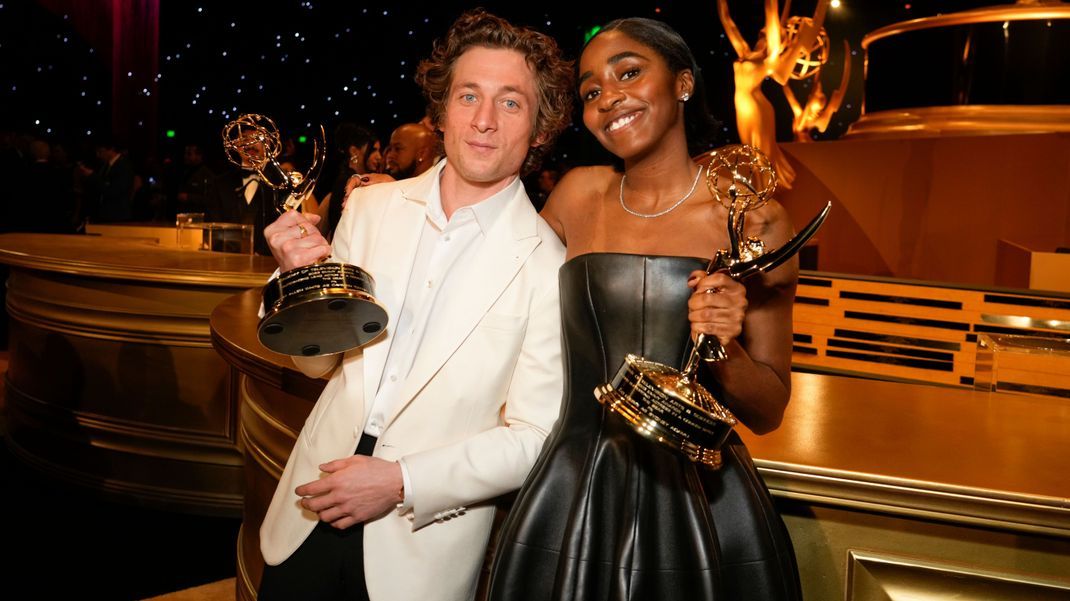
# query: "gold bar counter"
{"points": [[890, 490], [112, 382]]}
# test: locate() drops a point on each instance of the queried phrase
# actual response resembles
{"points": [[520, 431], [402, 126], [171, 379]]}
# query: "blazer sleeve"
{"points": [[497, 461]]}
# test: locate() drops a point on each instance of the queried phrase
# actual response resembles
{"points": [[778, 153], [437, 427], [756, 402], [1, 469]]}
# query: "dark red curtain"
{"points": [[126, 35]]}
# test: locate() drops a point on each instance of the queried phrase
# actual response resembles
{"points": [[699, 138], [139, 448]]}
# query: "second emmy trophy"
{"points": [[319, 309], [670, 406]]}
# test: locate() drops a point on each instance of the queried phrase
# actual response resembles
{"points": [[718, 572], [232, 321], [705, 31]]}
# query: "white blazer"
{"points": [[484, 390]]}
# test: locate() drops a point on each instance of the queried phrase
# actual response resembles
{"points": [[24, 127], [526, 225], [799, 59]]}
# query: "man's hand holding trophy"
{"points": [[314, 307]]}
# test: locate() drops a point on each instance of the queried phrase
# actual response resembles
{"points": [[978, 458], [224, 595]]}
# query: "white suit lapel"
{"points": [[501, 255]]}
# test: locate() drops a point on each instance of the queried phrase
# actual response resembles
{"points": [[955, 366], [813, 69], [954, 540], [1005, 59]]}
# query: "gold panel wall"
{"points": [[924, 331], [112, 382], [862, 556], [932, 209]]}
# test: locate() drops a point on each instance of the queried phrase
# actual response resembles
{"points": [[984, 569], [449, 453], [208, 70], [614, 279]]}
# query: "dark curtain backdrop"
{"points": [[126, 35]]}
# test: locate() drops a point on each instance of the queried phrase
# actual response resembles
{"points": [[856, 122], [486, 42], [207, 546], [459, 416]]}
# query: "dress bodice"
{"points": [[633, 304], [614, 304]]}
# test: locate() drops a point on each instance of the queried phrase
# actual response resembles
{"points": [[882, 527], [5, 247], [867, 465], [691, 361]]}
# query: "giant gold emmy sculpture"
{"points": [[670, 406], [321, 308], [787, 48]]}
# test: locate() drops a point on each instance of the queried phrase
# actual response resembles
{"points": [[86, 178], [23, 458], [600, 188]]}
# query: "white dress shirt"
{"points": [[249, 185], [445, 246]]}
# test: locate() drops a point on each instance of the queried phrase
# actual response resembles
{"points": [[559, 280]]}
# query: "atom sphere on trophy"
{"points": [[813, 46], [741, 178], [252, 143]]}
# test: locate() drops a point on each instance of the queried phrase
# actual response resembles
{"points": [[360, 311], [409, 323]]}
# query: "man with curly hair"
{"points": [[387, 492]]}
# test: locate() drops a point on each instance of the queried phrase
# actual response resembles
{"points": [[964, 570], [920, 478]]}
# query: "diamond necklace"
{"points": [[659, 213]]}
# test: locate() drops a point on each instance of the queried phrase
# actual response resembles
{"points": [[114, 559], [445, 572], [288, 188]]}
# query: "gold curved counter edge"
{"points": [[207, 503], [869, 570], [116, 258], [979, 15], [131, 437], [246, 590], [175, 331], [915, 498], [233, 326], [974, 119]]}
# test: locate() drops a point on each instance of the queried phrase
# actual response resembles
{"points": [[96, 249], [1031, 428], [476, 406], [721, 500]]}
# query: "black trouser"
{"points": [[328, 566]]}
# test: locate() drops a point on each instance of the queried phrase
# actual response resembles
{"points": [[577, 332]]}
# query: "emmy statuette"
{"points": [[319, 309], [670, 406]]}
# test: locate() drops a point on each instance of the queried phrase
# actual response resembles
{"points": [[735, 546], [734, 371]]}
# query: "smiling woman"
{"points": [[605, 513]]}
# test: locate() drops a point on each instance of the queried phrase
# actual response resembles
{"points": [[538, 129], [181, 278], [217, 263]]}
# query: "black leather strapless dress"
{"points": [[607, 515]]}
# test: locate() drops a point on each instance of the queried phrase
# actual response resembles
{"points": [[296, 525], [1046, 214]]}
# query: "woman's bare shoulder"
{"points": [[572, 196], [583, 182]]}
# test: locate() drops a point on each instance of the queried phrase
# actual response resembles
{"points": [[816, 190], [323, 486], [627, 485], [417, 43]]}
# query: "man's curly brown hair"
{"points": [[553, 74]]}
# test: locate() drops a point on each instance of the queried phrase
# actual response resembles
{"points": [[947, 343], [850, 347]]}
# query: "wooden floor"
{"points": [[222, 590]]}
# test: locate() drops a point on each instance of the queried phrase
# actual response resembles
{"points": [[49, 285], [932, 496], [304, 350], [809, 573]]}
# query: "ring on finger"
{"points": [[304, 232]]}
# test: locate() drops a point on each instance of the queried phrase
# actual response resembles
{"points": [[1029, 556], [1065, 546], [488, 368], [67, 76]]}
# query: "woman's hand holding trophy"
{"points": [[668, 405]]}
